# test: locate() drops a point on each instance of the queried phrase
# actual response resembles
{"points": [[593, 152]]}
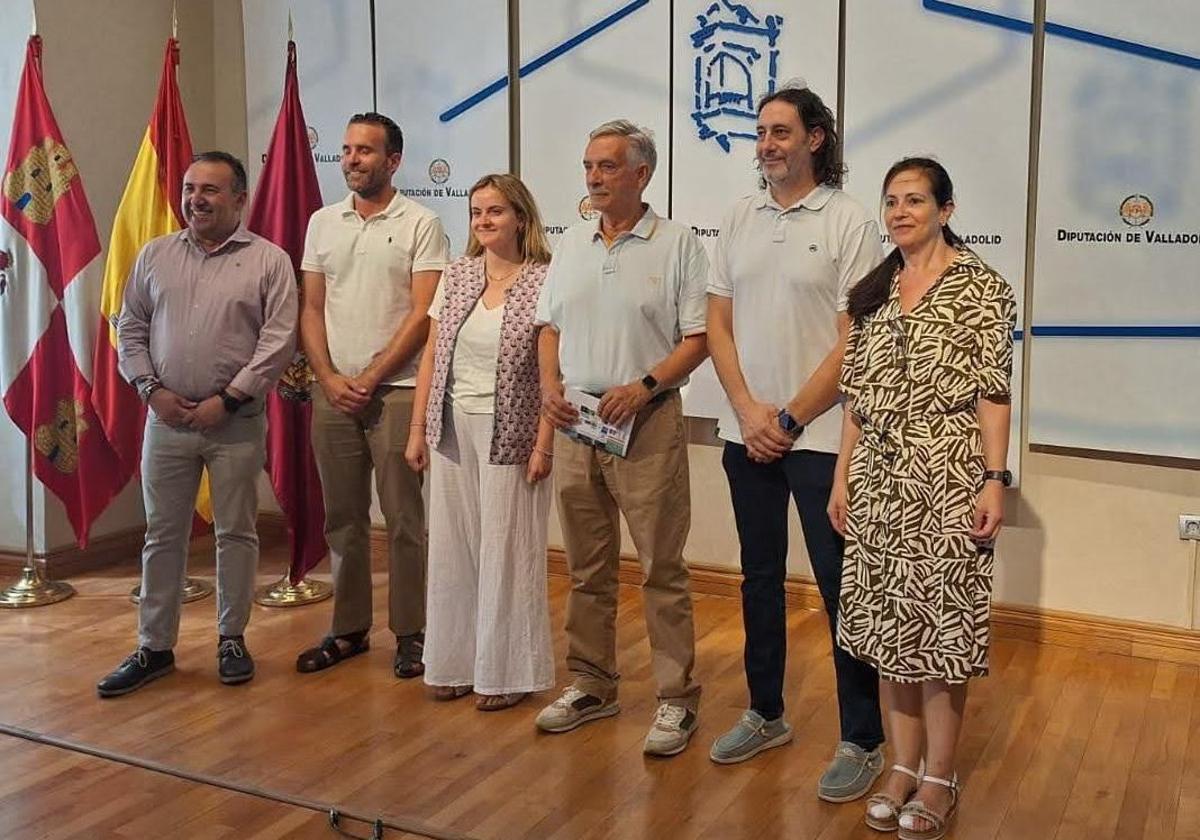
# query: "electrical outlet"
{"points": [[1189, 526]]}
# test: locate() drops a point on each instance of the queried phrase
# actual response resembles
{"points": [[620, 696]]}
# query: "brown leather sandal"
{"points": [[444, 693], [329, 652], [496, 702]]}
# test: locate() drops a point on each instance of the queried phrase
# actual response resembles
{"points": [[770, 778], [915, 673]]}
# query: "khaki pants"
{"points": [[172, 462], [650, 487], [347, 447]]}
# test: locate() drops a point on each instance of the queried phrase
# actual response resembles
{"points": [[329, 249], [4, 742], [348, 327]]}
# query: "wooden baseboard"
{"points": [[1087, 632], [123, 546], [71, 560]]}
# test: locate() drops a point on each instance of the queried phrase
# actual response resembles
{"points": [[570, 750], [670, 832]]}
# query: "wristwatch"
{"points": [[650, 382], [232, 403], [1003, 476], [789, 424], [146, 385]]}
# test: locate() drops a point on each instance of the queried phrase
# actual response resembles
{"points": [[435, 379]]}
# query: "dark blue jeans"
{"points": [[760, 498]]}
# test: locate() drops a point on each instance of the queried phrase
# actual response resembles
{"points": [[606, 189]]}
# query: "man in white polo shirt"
{"points": [[777, 327], [623, 310], [371, 266]]}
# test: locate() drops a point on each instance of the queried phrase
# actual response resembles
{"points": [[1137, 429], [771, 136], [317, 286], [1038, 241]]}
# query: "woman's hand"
{"points": [[416, 453], [838, 501], [539, 466], [989, 512]]}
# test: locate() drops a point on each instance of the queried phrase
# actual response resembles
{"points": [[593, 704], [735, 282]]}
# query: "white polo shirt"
{"points": [[368, 266], [789, 272], [621, 310]]}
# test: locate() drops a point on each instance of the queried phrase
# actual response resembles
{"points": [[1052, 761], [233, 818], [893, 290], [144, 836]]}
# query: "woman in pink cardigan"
{"points": [[478, 397]]}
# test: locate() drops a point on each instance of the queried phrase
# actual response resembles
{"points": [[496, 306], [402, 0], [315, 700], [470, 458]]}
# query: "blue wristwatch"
{"points": [[789, 424]]}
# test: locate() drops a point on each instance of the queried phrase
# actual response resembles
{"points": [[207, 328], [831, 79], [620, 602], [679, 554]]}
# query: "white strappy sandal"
{"points": [[915, 809], [883, 812]]}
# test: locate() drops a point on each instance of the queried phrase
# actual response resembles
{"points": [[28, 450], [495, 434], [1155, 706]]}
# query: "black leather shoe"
{"points": [[139, 668], [234, 663]]}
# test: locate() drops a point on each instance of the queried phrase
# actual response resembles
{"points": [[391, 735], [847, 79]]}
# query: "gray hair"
{"points": [[641, 140]]}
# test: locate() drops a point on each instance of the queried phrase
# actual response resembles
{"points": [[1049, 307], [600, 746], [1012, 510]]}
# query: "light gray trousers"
{"points": [[172, 463]]}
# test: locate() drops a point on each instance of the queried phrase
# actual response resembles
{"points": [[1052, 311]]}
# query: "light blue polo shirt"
{"points": [[621, 310]]}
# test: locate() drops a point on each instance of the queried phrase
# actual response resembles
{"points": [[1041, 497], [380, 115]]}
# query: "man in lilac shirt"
{"points": [[207, 328]]}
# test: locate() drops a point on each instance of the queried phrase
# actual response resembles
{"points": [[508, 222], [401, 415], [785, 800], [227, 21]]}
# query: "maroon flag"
{"points": [[49, 275], [287, 194]]}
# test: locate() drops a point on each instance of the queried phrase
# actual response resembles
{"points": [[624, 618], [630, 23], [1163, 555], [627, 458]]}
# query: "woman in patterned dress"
{"points": [[478, 392], [919, 487]]}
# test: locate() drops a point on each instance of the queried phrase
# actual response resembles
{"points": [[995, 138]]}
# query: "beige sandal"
{"points": [[915, 809], [883, 812], [445, 693], [496, 702]]}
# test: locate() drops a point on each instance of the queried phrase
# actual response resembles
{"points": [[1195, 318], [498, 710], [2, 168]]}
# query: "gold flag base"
{"points": [[193, 590], [283, 593], [32, 590]]}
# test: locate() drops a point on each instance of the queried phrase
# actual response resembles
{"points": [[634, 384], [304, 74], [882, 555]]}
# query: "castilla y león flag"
{"points": [[48, 273], [286, 196]]}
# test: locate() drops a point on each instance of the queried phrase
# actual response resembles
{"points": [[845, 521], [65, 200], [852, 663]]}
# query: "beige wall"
{"points": [[1083, 535]]}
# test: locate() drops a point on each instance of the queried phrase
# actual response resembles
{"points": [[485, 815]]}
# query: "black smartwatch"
{"points": [[232, 403], [1003, 476], [650, 382], [789, 424]]}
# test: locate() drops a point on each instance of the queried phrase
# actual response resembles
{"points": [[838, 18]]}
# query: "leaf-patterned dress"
{"points": [[916, 589]]}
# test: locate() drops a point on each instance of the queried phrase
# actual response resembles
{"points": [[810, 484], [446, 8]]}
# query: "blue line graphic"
{"points": [[1079, 331], [1069, 32], [543, 59]]}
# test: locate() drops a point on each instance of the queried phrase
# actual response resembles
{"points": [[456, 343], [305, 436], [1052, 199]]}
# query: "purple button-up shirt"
{"points": [[204, 320]]}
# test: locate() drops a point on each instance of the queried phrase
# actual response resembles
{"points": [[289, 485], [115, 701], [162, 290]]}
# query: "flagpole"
{"points": [[284, 593], [32, 590]]}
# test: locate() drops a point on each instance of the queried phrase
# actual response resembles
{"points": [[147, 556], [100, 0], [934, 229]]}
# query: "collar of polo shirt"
{"points": [[644, 229], [394, 209], [815, 200]]}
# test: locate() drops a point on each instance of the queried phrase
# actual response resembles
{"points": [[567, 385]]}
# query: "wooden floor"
{"points": [[1059, 743]]}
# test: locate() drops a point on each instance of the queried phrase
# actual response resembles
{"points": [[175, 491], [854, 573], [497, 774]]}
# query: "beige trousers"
{"points": [[650, 487]]}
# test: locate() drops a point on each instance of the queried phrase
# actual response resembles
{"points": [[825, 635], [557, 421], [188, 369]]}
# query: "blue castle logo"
{"points": [[736, 63]]}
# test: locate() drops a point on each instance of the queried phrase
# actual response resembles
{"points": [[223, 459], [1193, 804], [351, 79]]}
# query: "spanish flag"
{"points": [[148, 209]]}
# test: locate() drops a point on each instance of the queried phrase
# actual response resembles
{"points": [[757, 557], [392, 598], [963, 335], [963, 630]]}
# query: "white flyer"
{"points": [[592, 430]]}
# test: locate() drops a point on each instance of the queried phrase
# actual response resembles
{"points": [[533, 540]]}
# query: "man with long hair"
{"points": [[777, 326]]}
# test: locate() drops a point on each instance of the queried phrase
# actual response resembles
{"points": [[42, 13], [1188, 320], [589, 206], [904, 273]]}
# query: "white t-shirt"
{"points": [[368, 266], [622, 309], [789, 271], [471, 384]]}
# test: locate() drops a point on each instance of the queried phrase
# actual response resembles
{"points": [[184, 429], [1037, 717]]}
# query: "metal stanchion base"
{"points": [[283, 594], [193, 590], [32, 590]]}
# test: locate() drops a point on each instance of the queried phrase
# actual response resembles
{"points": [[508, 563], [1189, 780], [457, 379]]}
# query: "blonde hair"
{"points": [[531, 237]]}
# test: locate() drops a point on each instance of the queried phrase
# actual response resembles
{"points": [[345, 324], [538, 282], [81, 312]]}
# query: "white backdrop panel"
{"points": [[333, 47], [975, 121], [599, 60], [1118, 229], [725, 57], [442, 91]]}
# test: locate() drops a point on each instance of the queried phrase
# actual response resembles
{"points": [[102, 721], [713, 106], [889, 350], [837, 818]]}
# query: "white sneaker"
{"points": [[574, 708], [672, 729]]}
